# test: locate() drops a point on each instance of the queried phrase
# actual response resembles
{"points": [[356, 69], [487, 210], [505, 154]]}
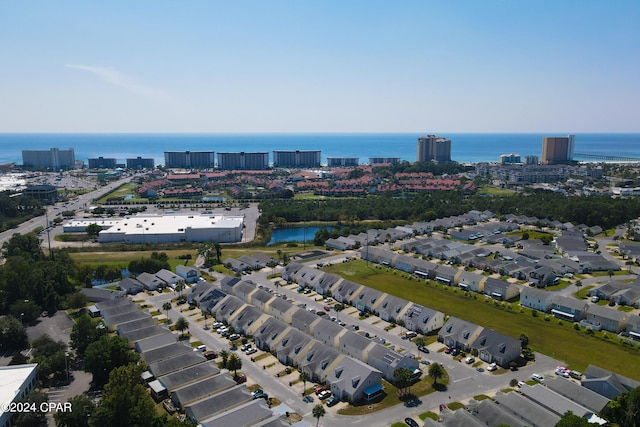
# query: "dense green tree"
{"points": [[12, 334], [82, 408], [26, 311], [26, 246], [403, 378], [524, 340], [106, 354], [625, 409], [77, 300], [436, 372], [85, 331], [32, 418], [45, 346], [93, 230], [569, 419], [125, 400], [149, 265]]}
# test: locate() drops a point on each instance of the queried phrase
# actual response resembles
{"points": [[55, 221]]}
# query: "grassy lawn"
{"points": [[421, 388], [583, 292], [560, 341], [122, 191], [494, 191], [123, 258]]}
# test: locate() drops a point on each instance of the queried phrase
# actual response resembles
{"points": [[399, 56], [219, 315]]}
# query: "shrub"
{"points": [[589, 330], [534, 313], [547, 318], [576, 326]]}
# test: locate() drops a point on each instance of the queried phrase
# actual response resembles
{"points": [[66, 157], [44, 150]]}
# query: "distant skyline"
{"points": [[320, 66]]}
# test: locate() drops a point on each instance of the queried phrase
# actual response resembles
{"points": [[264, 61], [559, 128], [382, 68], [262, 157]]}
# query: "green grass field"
{"points": [[494, 191], [560, 341], [122, 259]]}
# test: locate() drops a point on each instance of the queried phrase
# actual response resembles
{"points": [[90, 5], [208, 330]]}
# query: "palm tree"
{"points": [[181, 325], [166, 307], [436, 371], [180, 287], [225, 356], [218, 249], [206, 315], [234, 363], [318, 412], [304, 377]]}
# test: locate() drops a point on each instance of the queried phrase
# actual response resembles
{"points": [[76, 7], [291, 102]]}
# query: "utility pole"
{"points": [[46, 217]]}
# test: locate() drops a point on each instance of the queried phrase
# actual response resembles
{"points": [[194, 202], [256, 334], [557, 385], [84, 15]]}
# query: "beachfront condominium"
{"points": [[140, 163], [102, 163], [296, 158], [336, 162], [510, 159], [243, 161], [54, 158], [189, 159], [557, 149], [383, 160], [433, 148]]}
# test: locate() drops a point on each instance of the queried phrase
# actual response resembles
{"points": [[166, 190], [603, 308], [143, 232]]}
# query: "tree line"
{"points": [[591, 210]]}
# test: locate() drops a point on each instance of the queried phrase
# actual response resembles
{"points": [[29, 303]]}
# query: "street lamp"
{"points": [[66, 367], [21, 316]]}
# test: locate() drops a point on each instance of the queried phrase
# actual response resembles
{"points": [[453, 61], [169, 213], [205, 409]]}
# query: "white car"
{"points": [[537, 377], [328, 300], [492, 367], [469, 360], [251, 351]]}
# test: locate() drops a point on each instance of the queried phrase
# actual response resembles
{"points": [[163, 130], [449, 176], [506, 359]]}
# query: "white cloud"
{"points": [[116, 78]]}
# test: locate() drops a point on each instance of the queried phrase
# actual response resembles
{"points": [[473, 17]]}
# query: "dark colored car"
{"points": [[455, 352], [410, 422], [423, 349], [332, 401]]}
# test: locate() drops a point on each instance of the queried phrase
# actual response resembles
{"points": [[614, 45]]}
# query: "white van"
{"points": [[537, 377]]}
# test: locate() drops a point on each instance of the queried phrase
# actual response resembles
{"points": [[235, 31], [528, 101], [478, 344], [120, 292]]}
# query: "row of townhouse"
{"points": [[475, 282], [253, 262], [161, 279], [353, 366], [194, 384], [492, 346], [375, 236], [323, 330], [388, 307], [574, 310]]}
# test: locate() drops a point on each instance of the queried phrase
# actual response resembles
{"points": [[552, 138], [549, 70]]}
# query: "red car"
{"points": [[327, 308], [448, 350]]}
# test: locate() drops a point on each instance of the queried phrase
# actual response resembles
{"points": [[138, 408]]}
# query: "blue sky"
{"points": [[320, 66]]}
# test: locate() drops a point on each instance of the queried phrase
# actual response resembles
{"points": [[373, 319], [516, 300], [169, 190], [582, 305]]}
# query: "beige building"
{"points": [[433, 148], [557, 149]]}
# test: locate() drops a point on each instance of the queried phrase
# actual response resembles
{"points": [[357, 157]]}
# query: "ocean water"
{"points": [[465, 147]]}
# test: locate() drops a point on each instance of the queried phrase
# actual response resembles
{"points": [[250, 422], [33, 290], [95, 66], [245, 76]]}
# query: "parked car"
{"points": [[200, 348], [327, 308], [332, 401], [324, 394], [455, 352], [521, 384], [469, 360], [448, 350], [319, 389], [251, 350], [328, 300], [261, 395], [245, 347], [410, 422], [209, 355], [492, 367], [423, 349], [537, 377], [241, 379], [234, 337]]}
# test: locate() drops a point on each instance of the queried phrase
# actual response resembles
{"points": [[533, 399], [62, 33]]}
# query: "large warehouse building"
{"points": [[169, 229]]}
